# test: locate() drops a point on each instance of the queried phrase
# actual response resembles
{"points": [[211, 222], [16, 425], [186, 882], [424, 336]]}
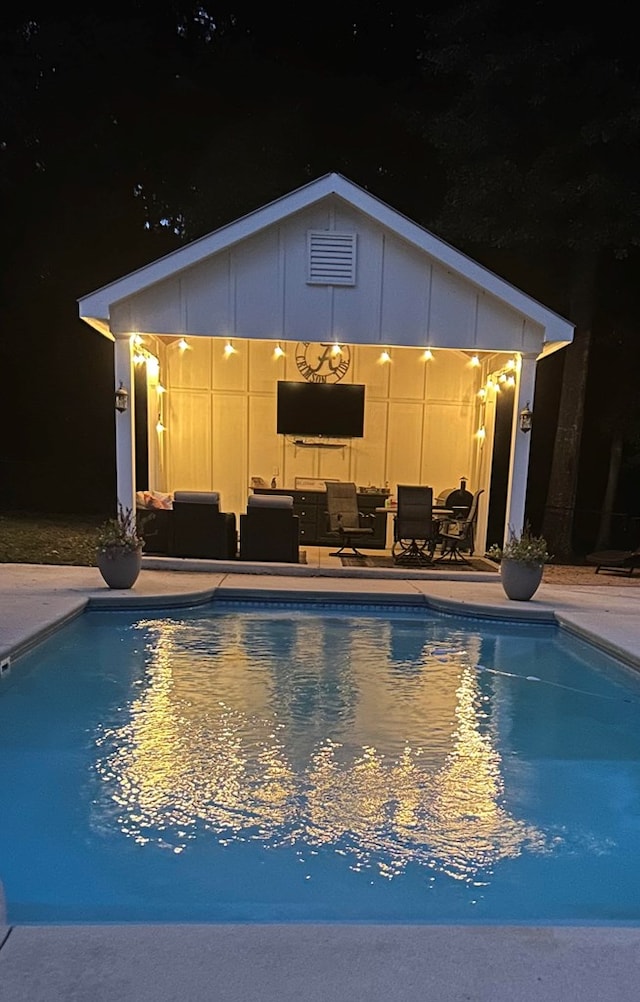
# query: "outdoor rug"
{"points": [[475, 564]]}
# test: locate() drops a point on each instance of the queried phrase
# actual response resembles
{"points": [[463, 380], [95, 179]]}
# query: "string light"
{"points": [[502, 378]]}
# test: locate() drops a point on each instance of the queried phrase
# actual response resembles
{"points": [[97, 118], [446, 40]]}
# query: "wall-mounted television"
{"points": [[327, 410]]}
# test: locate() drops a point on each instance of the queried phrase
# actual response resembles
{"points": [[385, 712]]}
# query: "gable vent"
{"points": [[332, 257]]}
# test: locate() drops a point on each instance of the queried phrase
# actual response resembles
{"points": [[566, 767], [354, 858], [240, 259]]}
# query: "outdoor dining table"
{"points": [[439, 513]]}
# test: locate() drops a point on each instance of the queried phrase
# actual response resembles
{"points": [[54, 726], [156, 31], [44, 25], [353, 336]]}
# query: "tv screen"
{"points": [[328, 410]]}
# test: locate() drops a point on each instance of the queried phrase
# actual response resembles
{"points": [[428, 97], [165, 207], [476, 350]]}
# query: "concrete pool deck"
{"points": [[311, 962]]}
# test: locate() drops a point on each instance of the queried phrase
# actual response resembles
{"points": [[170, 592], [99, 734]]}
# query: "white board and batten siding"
{"points": [[220, 417], [261, 289]]}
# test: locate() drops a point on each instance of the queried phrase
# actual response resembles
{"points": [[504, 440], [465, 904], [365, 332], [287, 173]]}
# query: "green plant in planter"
{"points": [[526, 548], [522, 559], [120, 534]]}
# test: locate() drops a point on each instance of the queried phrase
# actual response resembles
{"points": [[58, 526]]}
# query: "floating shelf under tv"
{"points": [[309, 442]]}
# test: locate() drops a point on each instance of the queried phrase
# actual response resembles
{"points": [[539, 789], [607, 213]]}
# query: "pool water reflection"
{"points": [[336, 765]]}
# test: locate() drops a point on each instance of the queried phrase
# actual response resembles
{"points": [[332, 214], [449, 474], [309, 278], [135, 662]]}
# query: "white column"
{"points": [[125, 424], [520, 445]]}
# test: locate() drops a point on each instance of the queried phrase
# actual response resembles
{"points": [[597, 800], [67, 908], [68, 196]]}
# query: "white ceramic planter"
{"points": [[520, 580]]}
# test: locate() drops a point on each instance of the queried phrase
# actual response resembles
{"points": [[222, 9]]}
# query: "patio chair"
{"points": [[624, 561], [200, 529], [457, 536], [414, 535], [270, 531], [345, 520]]}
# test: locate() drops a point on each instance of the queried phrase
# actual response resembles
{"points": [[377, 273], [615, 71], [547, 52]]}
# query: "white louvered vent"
{"points": [[332, 257]]}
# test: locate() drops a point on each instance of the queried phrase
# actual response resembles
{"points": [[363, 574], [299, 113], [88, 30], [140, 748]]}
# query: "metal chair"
{"points": [[345, 521], [414, 531], [457, 535]]}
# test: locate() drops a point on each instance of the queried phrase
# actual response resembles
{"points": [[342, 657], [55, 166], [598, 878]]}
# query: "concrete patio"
{"points": [[314, 962]]}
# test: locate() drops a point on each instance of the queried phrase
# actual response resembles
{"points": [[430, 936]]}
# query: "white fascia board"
{"points": [[101, 326]]}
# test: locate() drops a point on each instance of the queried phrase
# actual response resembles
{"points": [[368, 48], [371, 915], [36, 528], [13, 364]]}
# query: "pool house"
{"points": [[326, 285]]}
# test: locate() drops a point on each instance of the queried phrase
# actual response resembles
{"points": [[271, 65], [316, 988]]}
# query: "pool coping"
{"points": [[318, 591]]}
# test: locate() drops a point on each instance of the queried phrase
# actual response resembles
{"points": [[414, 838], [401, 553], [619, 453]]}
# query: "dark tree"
{"points": [[538, 138]]}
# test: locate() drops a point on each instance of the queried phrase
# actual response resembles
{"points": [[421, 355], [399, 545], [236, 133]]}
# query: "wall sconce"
{"points": [[229, 350], [427, 355], [183, 345], [278, 351], [526, 418], [122, 398], [385, 357], [475, 362]]}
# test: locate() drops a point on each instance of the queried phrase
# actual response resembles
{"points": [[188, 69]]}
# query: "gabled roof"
{"points": [[95, 307]]}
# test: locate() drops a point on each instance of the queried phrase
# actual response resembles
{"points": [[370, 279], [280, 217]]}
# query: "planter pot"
{"points": [[119, 568], [519, 580]]}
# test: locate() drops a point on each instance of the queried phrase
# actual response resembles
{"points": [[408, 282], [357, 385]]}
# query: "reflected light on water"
{"points": [[180, 767]]}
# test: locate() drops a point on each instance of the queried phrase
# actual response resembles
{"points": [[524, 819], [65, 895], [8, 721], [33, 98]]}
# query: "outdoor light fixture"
{"points": [[229, 350], [526, 418], [475, 361], [336, 350], [159, 426], [182, 344], [122, 398], [427, 355], [278, 351], [384, 357]]}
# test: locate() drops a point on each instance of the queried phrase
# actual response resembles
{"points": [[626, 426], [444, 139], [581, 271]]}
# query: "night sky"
{"points": [[127, 131]]}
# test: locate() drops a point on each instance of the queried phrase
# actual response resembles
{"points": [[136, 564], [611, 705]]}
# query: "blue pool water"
{"points": [[243, 764]]}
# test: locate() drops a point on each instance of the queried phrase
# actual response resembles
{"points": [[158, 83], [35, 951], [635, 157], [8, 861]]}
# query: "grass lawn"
{"points": [[33, 538]]}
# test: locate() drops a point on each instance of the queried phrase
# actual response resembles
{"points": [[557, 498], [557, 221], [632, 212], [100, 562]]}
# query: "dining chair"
{"points": [[345, 520], [414, 533]]}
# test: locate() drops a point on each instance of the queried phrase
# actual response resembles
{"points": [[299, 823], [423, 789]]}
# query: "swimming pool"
{"points": [[337, 764]]}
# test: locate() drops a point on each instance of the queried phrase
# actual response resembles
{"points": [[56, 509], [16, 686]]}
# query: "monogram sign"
{"points": [[322, 363]]}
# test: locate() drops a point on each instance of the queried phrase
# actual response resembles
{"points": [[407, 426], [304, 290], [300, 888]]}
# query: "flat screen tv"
{"points": [[322, 410]]}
